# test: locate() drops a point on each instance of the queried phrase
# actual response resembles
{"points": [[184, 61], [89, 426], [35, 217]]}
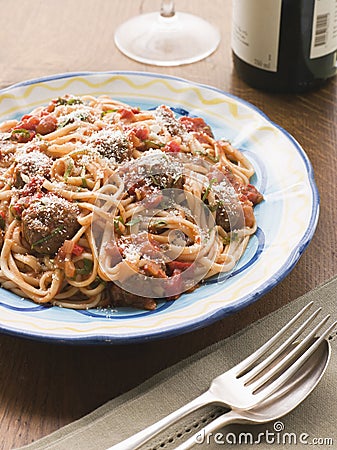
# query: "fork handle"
{"points": [[205, 435], [140, 438]]}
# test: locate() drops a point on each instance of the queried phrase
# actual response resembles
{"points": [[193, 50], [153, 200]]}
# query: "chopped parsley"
{"points": [[209, 187], [69, 168], [48, 237], [87, 267], [108, 111], [69, 101]]}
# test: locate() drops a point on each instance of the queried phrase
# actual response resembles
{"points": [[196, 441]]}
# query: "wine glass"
{"points": [[167, 38]]}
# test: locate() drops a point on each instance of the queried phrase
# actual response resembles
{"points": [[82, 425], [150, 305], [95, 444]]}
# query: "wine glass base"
{"points": [[167, 41]]}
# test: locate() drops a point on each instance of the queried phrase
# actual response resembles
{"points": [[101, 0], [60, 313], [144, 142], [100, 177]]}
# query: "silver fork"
{"points": [[249, 382]]}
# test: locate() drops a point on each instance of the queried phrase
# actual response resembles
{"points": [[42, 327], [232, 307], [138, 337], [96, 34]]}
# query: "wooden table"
{"points": [[44, 386]]}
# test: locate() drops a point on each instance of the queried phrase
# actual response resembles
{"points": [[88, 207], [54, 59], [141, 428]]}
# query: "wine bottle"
{"points": [[285, 45]]}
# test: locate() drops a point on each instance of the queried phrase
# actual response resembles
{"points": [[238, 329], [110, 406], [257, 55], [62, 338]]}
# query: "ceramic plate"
{"points": [[286, 218]]}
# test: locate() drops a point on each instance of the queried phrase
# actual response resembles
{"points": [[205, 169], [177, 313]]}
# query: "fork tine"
{"points": [[251, 359], [290, 371], [263, 364], [298, 350]]}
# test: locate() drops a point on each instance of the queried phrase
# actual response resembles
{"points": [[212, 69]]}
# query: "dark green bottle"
{"points": [[285, 45]]}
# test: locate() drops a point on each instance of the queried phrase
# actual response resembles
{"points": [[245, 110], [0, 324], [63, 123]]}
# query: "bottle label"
{"points": [[260, 49], [324, 28]]}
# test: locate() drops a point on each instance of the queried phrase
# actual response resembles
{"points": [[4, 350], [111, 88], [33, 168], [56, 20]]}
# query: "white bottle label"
{"points": [[324, 28], [256, 32]]}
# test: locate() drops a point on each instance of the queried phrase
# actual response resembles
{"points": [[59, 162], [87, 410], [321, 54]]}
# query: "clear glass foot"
{"points": [[171, 40]]}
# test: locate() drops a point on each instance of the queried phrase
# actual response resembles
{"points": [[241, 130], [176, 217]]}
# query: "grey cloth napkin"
{"points": [[312, 424]]}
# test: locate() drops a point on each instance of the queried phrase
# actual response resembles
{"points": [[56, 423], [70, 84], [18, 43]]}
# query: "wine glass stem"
{"points": [[167, 8]]}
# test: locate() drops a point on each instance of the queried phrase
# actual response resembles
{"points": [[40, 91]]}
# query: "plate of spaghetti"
{"points": [[135, 206]]}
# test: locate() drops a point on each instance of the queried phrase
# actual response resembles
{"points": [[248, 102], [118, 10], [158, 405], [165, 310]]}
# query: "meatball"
{"points": [[48, 222], [155, 170], [166, 180], [222, 219], [120, 297], [166, 118], [31, 164], [230, 215], [166, 174], [111, 144]]}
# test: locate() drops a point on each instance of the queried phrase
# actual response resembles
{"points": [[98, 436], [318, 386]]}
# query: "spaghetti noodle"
{"points": [[99, 199]]}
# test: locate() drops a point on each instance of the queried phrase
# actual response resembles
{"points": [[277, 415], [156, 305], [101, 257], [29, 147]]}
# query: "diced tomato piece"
{"points": [[26, 117], [253, 194], [51, 107], [142, 133], [196, 124], [77, 250], [127, 114], [172, 147], [179, 266], [47, 125], [28, 122], [154, 270]]}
